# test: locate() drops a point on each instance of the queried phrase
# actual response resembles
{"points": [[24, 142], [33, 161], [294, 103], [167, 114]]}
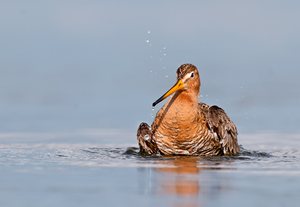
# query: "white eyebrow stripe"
{"points": [[187, 76]]}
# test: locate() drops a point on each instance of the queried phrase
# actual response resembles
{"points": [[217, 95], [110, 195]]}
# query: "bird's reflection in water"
{"points": [[181, 177], [184, 181]]}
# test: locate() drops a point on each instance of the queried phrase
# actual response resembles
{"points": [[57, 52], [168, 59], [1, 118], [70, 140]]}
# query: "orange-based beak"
{"points": [[179, 85]]}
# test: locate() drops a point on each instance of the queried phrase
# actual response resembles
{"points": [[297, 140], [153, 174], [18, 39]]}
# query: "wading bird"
{"points": [[185, 127]]}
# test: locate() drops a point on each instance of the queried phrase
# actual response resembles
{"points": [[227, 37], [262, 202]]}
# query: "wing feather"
{"points": [[220, 123]]}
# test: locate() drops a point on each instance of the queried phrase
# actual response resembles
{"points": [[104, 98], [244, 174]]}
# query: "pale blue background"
{"points": [[66, 65]]}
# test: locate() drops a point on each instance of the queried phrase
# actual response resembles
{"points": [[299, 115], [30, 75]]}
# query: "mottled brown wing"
{"points": [[146, 143], [226, 130]]}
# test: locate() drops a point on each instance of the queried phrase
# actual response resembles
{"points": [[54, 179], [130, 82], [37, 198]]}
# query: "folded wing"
{"points": [[223, 127]]}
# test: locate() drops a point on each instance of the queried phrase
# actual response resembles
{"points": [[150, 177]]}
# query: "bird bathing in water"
{"points": [[185, 127]]}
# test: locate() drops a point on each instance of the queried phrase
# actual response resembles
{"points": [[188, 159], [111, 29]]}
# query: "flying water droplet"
{"points": [[149, 32], [152, 112]]}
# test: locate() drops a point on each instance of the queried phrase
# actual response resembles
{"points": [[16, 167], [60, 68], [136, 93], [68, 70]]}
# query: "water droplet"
{"points": [[148, 41], [166, 76], [146, 137], [164, 48], [150, 71], [165, 54], [149, 32], [152, 112]]}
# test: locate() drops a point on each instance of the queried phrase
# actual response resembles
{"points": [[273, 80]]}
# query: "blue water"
{"points": [[109, 172]]}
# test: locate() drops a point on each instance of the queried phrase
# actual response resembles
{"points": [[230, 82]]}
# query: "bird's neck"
{"points": [[186, 99], [184, 104]]}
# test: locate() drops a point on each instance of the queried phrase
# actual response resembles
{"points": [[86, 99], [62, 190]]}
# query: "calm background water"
{"points": [[76, 79]]}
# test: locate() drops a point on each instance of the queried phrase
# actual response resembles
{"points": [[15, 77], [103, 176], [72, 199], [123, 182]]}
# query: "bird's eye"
{"points": [[192, 75]]}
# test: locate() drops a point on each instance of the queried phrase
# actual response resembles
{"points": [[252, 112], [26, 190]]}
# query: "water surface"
{"points": [[109, 172]]}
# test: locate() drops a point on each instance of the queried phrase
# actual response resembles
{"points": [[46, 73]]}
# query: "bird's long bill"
{"points": [[179, 85]]}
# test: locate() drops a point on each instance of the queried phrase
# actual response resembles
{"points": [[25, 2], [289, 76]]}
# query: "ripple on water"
{"points": [[82, 155], [129, 157]]}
